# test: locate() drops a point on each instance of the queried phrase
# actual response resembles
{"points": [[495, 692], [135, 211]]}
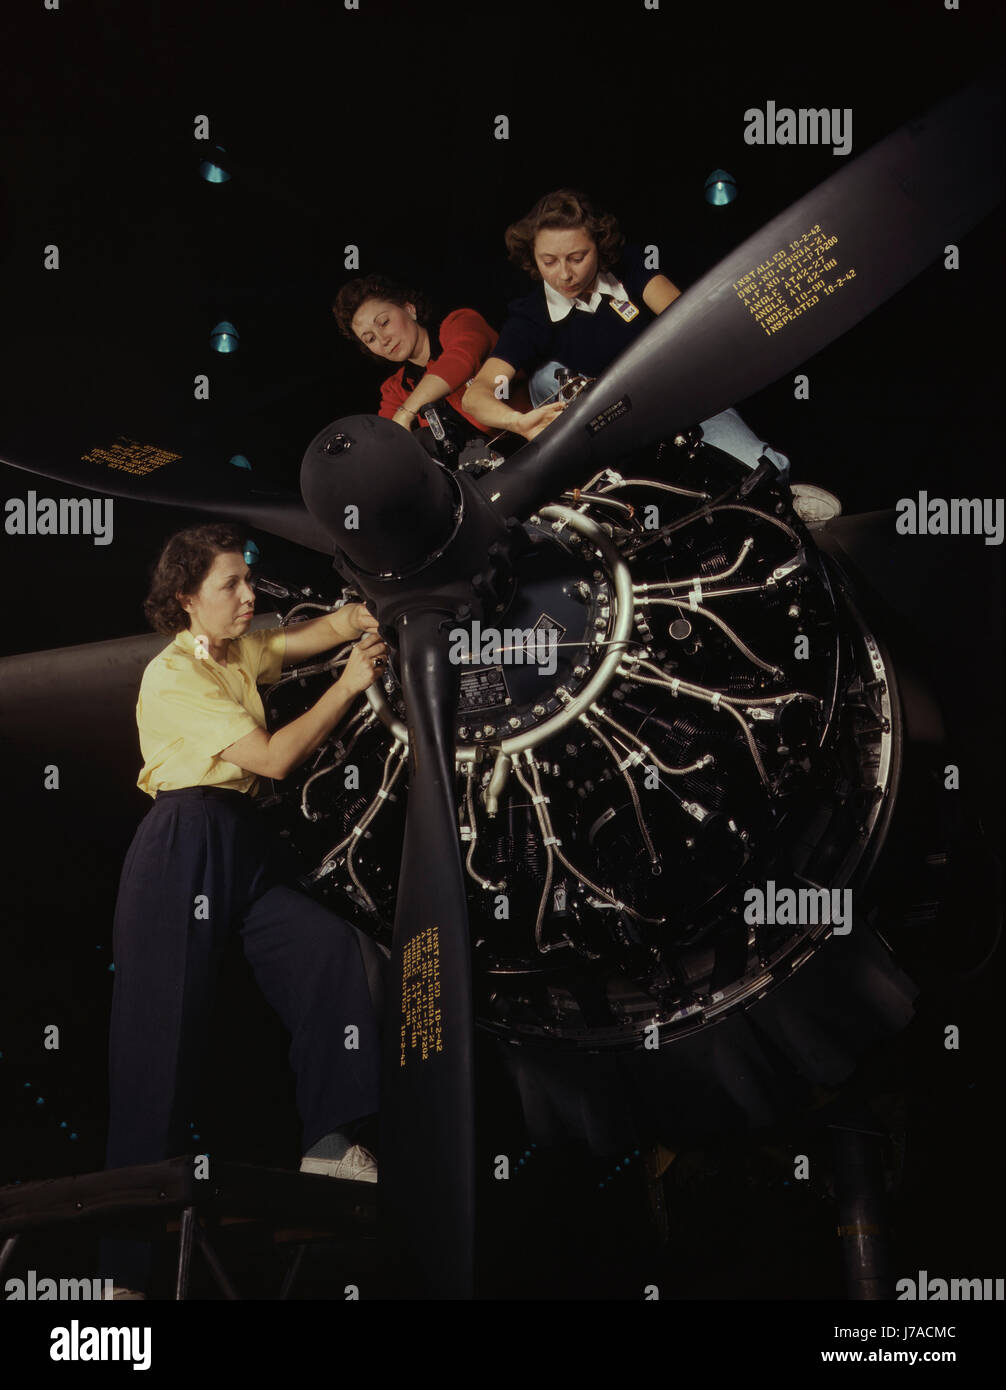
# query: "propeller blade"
{"points": [[802, 281], [428, 1104], [171, 476]]}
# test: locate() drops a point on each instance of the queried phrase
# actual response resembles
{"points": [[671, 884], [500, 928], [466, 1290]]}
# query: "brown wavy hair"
{"points": [[357, 292], [565, 210], [183, 564]]}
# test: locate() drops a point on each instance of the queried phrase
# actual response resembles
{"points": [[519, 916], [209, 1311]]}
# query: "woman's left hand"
{"points": [[361, 620]]}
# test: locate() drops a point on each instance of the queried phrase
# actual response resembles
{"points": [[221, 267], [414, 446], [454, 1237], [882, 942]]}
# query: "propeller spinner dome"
{"points": [[385, 502]]}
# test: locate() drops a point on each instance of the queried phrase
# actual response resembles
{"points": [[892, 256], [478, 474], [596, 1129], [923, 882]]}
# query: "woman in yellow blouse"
{"points": [[201, 866]]}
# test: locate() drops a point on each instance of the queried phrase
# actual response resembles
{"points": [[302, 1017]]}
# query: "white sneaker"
{"points": [[813, 504], [356, 1165], [122, 1294]]}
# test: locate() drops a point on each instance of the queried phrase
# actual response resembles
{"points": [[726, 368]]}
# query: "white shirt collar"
{"points": [[559, 306]]}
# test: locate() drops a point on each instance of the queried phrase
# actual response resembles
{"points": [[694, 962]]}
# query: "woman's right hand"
{"points": [[534, 421], [366, 662]]}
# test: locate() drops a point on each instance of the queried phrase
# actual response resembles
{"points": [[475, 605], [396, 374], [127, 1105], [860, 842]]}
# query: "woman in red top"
{"points": [[435, 362]]}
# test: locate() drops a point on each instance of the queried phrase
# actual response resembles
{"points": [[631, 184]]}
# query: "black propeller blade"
{"points": [[803, 280], [428, 550], [171, 472], [427, 1105]]}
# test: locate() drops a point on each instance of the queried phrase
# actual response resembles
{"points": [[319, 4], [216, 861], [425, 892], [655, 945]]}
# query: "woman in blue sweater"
{"points": [[595, 297]]}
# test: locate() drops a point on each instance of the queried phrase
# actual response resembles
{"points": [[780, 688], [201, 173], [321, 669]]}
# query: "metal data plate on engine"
{"points": [[486, 687], [482, 689]]}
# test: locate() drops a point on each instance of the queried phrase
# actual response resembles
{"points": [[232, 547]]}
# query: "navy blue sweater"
{"points": [[586, 343]]}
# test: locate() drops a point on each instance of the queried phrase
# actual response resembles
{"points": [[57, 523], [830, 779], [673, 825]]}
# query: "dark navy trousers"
{"points": [[202, 866]]}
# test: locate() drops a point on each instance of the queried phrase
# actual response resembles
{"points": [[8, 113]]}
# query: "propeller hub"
{"points": [[384, 501]]}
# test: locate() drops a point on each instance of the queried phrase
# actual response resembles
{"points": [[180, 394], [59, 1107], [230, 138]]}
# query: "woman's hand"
{"points": [[359, 618], [536, 420], [405, 418], [365, 664]]}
